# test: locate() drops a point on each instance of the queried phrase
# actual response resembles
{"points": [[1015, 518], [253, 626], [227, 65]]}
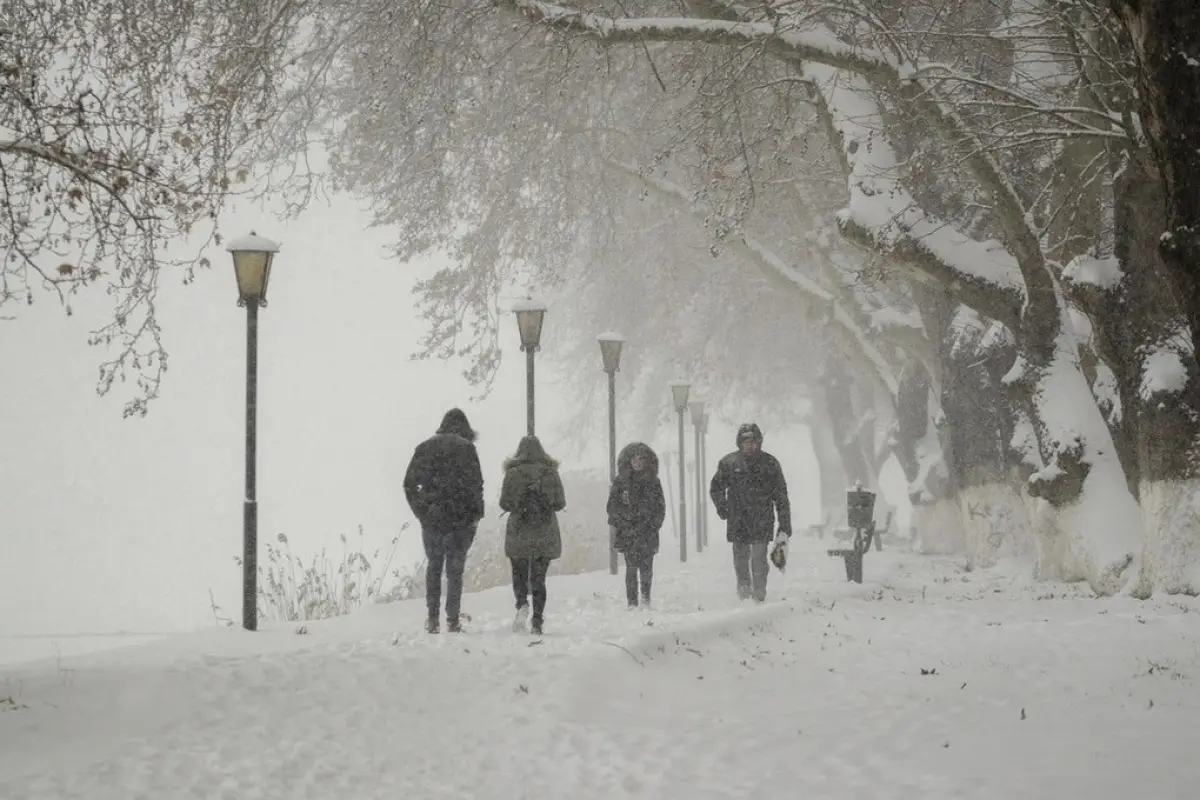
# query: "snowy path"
{"points": [[818, 695]]}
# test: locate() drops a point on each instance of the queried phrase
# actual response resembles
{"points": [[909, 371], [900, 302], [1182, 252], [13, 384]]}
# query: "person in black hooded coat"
{"points": [[636, 510], [444, 489]]}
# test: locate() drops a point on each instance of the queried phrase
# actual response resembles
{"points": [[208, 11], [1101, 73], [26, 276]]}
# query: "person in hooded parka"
{"points": [[532, 494], [751, 495], [636, 510], [444, 489]]}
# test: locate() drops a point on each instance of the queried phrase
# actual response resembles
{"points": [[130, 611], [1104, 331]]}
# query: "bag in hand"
{"points": [[779, 556]]}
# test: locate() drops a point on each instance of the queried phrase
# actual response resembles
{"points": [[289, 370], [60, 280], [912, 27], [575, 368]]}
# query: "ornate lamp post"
{"points": [[253, 257], [530, 314], [679, 394], [610, 351]]}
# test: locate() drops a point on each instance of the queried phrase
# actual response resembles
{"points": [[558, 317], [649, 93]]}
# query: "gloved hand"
{"points": [[723, 513]]}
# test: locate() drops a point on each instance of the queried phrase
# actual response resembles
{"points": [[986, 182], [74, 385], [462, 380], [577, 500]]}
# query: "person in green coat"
{"points": [[532, 494]]}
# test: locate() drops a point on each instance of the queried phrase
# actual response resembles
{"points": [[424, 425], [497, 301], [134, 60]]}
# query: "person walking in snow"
{"points": [[636, 510], [533, 495], [444, 489], [750, 494]]}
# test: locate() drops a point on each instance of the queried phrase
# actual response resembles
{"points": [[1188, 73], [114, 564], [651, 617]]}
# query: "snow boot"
{"points": [[454, 625], [520, 619], [432, 625], [536, 627]]}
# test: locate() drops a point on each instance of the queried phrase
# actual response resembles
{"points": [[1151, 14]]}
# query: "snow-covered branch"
{"points": [[882, 214], [846, 74], [811, 44], [77, 166], [763, 257]]}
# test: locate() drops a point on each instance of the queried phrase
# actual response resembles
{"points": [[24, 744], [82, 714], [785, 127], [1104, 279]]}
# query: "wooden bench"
{"points": [[854, 555]]}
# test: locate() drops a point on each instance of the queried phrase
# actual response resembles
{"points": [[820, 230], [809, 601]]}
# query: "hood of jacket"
{"points": [[649, 459], [749, 430], [455, 422], [530, 451]]}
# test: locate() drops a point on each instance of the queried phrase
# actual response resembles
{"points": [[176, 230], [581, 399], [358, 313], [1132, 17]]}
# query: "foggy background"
{"points": [[114, 524]]}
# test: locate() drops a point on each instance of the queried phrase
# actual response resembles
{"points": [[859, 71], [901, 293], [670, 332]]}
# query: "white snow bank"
{"points": [[926, 669], [18, 648]]}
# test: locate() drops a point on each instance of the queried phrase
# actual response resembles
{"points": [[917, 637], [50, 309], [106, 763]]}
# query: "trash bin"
{"points": [[860, 508]]}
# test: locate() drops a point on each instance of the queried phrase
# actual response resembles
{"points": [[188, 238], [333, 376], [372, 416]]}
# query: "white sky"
{"points": [[109, 524]]}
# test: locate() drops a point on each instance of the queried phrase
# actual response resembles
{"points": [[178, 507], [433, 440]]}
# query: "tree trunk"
{"points": [[1086, 523], [846, 423], [912, 421], [854, 412], [1166, 38], [933, 490], [980, 421], [1159, 380], [832, 473]]}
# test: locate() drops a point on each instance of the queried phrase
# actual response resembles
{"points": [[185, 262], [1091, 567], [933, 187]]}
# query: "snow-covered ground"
{"points": [[19, 647], [924, 682]]}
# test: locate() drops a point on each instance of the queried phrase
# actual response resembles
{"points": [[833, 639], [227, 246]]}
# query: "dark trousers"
{"points": [[445, 550], [639, 571], [529, 577], [750, 565]]}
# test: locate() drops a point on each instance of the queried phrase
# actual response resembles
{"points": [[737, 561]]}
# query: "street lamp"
{"points": [[703, 521], [696, 407], [679, 394], [530, 314], [610, 351], [253, 257]]}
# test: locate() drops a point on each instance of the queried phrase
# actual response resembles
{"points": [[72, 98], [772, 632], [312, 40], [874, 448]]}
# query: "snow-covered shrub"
{"points": [[288, 590]]}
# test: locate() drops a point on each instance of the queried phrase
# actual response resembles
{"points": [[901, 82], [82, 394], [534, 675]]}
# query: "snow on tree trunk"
{"points": [[1168, 440], [1139, 329], [1089, 526]]}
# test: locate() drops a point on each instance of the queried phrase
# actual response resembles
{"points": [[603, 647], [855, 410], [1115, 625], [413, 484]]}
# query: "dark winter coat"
{"points": [[444, 482], [530, 466], [636, 508], [750, 494]]}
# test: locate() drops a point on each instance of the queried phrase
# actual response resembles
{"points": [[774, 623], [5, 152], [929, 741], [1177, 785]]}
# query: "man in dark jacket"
{"points": [[444, 488], [750, 494]]}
